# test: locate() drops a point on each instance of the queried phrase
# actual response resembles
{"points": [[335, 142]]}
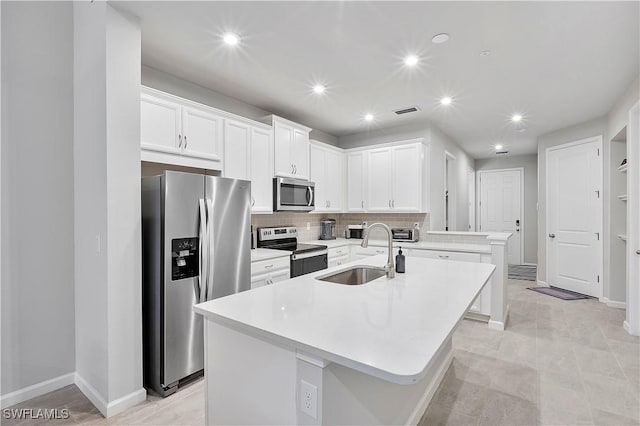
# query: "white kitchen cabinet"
{"points": [[326, 170], [338, 256], [291, 149], [266, 272], [356, 181], [247, 155], [358, 252], [269, 278], [394, 179], [177, 131]]}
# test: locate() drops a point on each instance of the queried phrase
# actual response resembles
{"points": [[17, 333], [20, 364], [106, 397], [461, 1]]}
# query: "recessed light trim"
{"points": [[231, 39], [446, 100], [516, 118], [368, 117], [485, 53], [411, 60], [440, 38], [319, 88], [498, 147]]}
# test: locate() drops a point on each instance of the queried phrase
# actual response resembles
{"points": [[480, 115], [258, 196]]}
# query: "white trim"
{"points": [[114, 407], [385, 145], [479, 174], [36, 390], [452, 218], [528, 264], [613, 303], [543, 283], [625, 326], [499, 325], [598, 139]]}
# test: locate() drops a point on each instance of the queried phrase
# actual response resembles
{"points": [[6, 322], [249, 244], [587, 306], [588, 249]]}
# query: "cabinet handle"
{"points": [[295, 169], [253, 201], [186, 142], [268, 266], [380, 251], [179, 141], [329, 203], [393, 203], [552, 235], [442, 256], [362, 204], [292, 168], [389, 203]]}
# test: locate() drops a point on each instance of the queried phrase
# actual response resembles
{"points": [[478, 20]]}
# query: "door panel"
{"points": [[379, 180], [407, 179], [237, 158], [261, 171], [356, 169], [203, 133], [283, 138], [300, 154], [317, 174], [334, 177], [159, 124], [183, 344], [574, 218], [500, 208]]}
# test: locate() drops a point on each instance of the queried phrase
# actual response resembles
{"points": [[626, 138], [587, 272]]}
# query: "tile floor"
{"points": [[558, 363]]}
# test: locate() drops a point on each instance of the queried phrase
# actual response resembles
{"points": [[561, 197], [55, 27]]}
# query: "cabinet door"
{"points": [[259, 281], [159, 124], [237, 150], [334, 179], [283, 138], [281, 275], [261, 167], [202, 133], [300, 154], [407, 178], [356, 172], [337, 261], [379, 180], [317, 174]]}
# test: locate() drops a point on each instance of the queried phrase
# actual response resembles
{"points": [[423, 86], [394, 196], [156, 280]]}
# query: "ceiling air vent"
{"points": [[407, 110], [501, 152]]}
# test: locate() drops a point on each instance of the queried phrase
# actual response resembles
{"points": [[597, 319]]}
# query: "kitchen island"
{"points": [[305, 351]]}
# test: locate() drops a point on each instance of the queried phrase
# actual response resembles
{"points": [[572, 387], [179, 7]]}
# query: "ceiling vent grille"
{"points": [[407, 110], [502, 152]]}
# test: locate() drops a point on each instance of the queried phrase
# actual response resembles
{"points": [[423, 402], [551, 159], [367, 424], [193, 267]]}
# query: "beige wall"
{"points": [[530, 215]]}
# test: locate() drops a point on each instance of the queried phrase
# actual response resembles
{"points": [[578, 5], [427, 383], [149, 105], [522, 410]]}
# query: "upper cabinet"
{"points": [[327, 172], [177, 131], [291, 148], [356, 181]]}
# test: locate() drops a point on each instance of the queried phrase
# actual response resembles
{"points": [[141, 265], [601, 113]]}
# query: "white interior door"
{"points": [[501, 208], [471, 184], [632, 322], [574, 217]]}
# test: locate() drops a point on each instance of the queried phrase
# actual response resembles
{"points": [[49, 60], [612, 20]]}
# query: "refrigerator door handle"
{"points": [[210, 239], [202, 269]]}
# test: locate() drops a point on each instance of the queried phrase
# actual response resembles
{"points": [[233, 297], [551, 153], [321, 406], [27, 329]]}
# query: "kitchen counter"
{"points": [[265, 254], [420, 245], [371, 354]]}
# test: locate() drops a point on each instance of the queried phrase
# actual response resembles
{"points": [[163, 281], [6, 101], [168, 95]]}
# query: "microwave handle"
{"points": [[310, 191]]}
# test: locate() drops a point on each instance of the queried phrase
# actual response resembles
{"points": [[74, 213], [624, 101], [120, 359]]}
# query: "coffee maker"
{"points": [[327, 226]]}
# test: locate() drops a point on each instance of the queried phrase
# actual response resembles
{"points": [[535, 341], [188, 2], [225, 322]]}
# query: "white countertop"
{"points": [[264, 254], [422, 245], [388, 328]]}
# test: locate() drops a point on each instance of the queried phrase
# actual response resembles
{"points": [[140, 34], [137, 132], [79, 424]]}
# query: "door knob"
{"points": [[638, 252], [552, 235]]}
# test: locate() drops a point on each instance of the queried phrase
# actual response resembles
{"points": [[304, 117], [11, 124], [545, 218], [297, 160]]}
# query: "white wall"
{"points": [[161, 80], [439, 143], [107, 206], [37, 193], [530, 215]]}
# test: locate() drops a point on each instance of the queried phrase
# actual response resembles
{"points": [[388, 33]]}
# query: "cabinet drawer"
{"points": [[368, 251], [338, 252], [264, 266], [446, 255], [337, 261]]}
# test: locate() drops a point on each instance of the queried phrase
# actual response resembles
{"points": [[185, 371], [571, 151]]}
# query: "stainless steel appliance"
{"points": [[195, 247], [327, 226], [293, 195], [355, 231], [405, 234], [305, 258]]}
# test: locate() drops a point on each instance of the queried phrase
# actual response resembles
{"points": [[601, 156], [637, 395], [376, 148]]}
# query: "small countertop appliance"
{"points": [[327, 228], [355, 231]]}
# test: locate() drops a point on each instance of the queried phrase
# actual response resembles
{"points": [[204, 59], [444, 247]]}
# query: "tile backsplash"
{"points": [[300, 221]]}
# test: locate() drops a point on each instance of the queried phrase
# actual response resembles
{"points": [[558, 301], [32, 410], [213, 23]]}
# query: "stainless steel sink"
{"points": [[354, 276]]}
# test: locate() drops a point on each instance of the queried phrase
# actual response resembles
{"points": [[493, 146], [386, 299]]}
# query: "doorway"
{"points": [[501, 206], [450, 196], [574, 216]]}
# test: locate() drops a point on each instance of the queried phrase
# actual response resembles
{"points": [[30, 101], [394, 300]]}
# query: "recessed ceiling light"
{"points": [[440, 38], [368, 117], [231, 39], [446, 100], [498, 147], [516, 118], [411, 60], [319, 88], [485, 53]]}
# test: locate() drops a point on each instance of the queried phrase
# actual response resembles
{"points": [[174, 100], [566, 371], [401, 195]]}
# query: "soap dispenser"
{"points": [[400, 262]]}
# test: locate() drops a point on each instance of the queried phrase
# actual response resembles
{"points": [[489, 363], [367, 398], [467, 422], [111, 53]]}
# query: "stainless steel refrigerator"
{"points": [[196, 243]]}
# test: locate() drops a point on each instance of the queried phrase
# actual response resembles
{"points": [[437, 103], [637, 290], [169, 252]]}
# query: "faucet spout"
{"points": [[390, 267]]}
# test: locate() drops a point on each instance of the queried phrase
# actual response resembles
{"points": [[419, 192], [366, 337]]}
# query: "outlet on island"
{"points": [[309, 399]]}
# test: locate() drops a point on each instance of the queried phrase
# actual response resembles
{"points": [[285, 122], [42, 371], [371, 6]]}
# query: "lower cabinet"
{"points": [[266, 272], [338, 255]]}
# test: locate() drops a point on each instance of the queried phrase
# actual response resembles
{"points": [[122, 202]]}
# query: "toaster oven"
{"points": [[405, 234]]}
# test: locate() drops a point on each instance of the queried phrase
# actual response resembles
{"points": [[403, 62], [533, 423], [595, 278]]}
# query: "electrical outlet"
{"points": [[309, 399], [308, 226], [416, 225]]}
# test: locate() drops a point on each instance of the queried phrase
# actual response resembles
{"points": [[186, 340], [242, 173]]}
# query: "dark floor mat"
{"points": [[559, 293]]}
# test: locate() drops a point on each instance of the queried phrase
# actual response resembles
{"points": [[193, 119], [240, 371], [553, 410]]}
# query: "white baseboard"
{"points": [[114, 407], [613, 303], [36, 390], [543, 283], [529, 264], [499, 325], [626, 327]]}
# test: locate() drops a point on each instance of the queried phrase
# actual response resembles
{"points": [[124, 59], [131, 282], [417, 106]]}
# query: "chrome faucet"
{"points": [[389, 268]]}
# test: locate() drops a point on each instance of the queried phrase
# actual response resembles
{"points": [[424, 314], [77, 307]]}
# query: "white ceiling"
{"points": [[557, 63]]}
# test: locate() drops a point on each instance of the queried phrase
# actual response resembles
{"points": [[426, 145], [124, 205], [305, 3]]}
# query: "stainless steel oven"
{"points": [[304, 259], [293, 195]]}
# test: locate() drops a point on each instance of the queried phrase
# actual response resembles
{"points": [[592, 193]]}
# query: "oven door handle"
{"points": [[310, 197], [309, 254]]}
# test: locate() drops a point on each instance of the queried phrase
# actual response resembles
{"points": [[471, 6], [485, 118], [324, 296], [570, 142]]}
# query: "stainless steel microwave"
{"points": [[293, 195]]}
